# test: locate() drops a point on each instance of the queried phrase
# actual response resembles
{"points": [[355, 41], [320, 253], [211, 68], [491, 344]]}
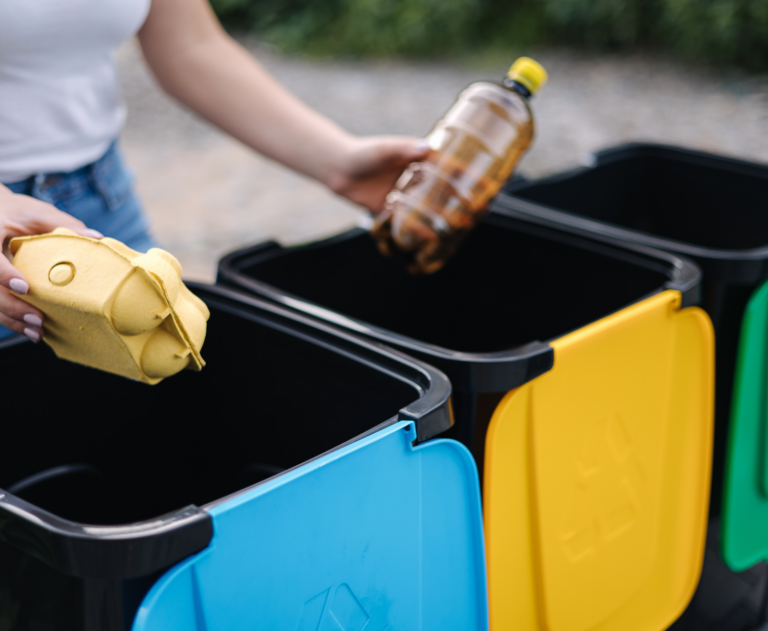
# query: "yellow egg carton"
{"points": [[110, 307]]}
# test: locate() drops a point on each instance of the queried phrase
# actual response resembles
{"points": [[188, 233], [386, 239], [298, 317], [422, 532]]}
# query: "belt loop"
{"points": [[37, 189], [99, 173]]}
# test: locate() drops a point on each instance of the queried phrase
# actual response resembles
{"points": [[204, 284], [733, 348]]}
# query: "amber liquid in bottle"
{"points": [[474, 149]]}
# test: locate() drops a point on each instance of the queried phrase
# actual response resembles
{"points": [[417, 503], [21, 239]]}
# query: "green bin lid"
{"points": [[745, 495]]}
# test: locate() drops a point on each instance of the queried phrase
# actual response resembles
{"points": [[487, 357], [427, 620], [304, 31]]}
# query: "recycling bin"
{"points": [[583, 378], [714, 210], [290, 484]]}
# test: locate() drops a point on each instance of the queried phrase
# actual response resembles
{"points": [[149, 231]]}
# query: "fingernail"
{"points": [[94, 234], [422, 145], [32, 335], [19, 286], [34, 320]]}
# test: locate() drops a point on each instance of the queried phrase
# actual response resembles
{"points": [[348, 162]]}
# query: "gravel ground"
{"points": [[208, 194]]}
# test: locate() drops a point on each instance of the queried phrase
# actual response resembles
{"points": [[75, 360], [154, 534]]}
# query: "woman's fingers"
{"points": [[21, 215], [377, 153], [93, 234], [396, 150], [370, 156], [26, 215], [373, 165], [15, 314], [20, 317], [11, 307], [11, 278]]}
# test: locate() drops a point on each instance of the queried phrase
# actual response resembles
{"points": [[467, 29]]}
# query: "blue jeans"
{"points": [[100, 195]]}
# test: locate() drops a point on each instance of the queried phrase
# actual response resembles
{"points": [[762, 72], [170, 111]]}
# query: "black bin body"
{"points": [[468, 319], [84, 447], [709, 208]]}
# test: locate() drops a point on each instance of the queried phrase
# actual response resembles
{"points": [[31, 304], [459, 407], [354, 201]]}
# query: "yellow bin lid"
{"points": [[597, 476]]}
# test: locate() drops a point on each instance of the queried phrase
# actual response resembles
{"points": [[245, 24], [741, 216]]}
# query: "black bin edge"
{"points": [[745, 267], [138, 549], [684, 275], [488, 372]]}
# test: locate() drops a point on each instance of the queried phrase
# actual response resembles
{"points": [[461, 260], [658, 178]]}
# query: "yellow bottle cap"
{"points": [[528, 72]]}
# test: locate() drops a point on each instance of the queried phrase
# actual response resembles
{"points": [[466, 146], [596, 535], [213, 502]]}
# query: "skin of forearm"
{"points": [[215, 77]]}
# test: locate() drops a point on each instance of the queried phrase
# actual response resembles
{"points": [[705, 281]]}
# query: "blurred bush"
{"points": [[726, 31], [602, 23], [735, 31], [729, 31], [357, 27]]}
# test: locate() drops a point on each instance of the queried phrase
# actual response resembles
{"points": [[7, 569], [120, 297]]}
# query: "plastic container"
{"points": [[289, 478], [712, 209], [563, 341], [474, 148]]}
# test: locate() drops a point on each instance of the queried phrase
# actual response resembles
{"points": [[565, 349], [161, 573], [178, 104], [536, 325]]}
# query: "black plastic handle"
{"points": [[103, 551]]}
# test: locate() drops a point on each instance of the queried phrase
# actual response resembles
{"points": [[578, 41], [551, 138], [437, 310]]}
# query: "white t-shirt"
{"points": [[60, 104]]}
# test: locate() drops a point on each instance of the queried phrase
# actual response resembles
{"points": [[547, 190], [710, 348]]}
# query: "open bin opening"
{"points": [[96, 448], [675, 194], [504, 289]]}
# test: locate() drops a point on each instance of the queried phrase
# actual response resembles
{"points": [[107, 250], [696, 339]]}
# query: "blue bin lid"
{"points": [[376, 535]]}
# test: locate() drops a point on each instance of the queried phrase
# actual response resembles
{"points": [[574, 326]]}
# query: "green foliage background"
{"points": [[723, 31]]}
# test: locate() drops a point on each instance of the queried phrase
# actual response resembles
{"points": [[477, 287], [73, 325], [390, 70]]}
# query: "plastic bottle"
{"points": [[474, 149]]}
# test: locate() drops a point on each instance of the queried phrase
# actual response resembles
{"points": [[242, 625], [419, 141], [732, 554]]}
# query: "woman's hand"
{"points": [[22, 215], [370, 166], [196, 62]]}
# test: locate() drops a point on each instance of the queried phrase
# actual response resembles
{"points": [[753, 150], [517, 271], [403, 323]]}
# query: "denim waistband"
{"points": [[51, 186]]}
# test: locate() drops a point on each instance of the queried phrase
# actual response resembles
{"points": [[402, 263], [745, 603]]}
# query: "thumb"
{"points": [[37, 217], [404, 150]]}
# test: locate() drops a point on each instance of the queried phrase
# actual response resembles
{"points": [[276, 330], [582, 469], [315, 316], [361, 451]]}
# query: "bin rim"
{"points": [[684, 275], [228, 272], [532, 359], [431, 412], [745, 266], [140, 548]]}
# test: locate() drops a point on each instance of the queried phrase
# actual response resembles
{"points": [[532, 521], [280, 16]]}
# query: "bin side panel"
{"points": [[509, 520], [377, 535], [598, 456], [452, 520], [745, 500], [173, 604]]}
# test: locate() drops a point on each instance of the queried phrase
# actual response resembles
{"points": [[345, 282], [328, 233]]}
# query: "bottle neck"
{"points": [[516, 86]]}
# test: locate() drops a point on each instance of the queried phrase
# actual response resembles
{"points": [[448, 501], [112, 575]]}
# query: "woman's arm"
{"points": [[23, 215], [196, 62]]}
